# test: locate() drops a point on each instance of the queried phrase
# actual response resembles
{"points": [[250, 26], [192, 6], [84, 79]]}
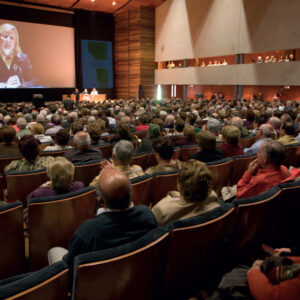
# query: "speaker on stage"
{"points": [[38, 100]]}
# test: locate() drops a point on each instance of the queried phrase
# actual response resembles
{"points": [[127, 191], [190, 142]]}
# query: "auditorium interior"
{"points": [[149, 149]]}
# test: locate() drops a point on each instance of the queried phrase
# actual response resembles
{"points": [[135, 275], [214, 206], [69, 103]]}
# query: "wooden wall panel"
{"points": [[134, 52]]}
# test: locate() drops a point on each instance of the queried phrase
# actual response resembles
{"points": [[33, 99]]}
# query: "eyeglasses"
{"points": [[8, 37]]}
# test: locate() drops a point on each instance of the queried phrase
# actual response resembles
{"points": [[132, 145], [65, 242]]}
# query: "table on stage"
{"points": [[92, 98]]}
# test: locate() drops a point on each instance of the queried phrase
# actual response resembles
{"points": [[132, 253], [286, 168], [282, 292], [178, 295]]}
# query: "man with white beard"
{"points": [[15, 67]]}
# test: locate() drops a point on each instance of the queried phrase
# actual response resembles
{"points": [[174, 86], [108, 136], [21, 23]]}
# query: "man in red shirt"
{"points": [[265, 171]]}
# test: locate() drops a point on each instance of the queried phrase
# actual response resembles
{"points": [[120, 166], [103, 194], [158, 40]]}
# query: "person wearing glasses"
{"points": [[15, 66]]}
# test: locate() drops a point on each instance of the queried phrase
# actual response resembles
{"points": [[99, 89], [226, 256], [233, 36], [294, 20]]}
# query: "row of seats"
{"points": [[172, 262]]}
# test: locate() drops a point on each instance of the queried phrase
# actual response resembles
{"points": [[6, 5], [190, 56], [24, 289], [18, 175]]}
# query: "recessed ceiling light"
{"points": [[93, 0], [114, 3]]}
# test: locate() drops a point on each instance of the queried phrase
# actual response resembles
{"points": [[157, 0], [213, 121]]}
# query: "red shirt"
{"points": [[262, 289], [231, 150], [141, 127], [252, 185]]}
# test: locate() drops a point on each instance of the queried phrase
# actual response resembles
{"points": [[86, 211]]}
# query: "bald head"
{"points": [[115, 189]]}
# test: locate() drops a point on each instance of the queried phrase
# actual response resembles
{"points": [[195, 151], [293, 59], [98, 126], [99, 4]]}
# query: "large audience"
{"points": [[215, 126]]}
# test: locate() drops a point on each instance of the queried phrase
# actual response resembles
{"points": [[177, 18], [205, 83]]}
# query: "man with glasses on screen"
{"points": [[15, 67]]}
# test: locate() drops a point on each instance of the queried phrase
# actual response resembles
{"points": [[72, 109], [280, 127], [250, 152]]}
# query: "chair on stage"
{"points": [[12, 258], [49, 283], [198, 251], [131, 271], [163, 183], [53, 221], [19, 185], [187, 151], [240, 165], [221, 172], [141, 189], [86, 172]]}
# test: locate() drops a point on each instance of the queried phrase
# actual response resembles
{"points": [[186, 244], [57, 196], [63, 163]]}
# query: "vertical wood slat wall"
{"points": [[134, 52]]}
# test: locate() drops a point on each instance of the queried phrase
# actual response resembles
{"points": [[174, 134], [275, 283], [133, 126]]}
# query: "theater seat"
{"points": [[86, 172], [12, 258], [292, 155], [53, 221], [19, 185], [247, 142], [197, 251], [163, 183], [54, 153], [141, 189], [1, 187], [140, 159], [131, 271], [187, 151], [5, 160], [49, 283], [106, 150]]}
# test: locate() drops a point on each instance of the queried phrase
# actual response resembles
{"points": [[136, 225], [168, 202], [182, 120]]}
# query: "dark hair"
{"points": [[55, 119], [206, 140], [29, 147], [77, 126], [179, 125], [62, 137], [192, 118], [250, 115], [8, 134], [163, 146], [123, 131], [289, 127], [94, 130]]}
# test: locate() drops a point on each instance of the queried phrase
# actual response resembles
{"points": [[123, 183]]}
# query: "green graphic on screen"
{"points": [[97, 66]]}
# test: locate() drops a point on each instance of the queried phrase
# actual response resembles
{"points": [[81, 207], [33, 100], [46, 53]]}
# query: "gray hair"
{"points": [[275, 122], [237, 121], [266, 130], [40, 118], [21, 123], [123, 151], [82, 139], [91, 119], [213, 125], [28, 117], [275, 152], [6, 119]]}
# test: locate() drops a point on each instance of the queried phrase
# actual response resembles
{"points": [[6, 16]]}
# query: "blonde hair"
{"points": [[9, 27], [231, 134], [189, 133], [194, 181], [36, 128], [61, 173]]}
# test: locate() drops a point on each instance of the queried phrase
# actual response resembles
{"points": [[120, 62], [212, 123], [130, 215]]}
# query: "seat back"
{"points": [[197, 251], [86, 172], [240, 165], [43, 146], [141, 134], [254, 217], [292, 155], [12, 258], [54, 153], [163, 183], [19, 185], [49, 283], [152, 161], [53, 221], [177, 153], [221, 171], [131, 271], [1, 187], [141, 190], [140, 159], [106, 150], [247, 142], [5, 160], [187, 151]]}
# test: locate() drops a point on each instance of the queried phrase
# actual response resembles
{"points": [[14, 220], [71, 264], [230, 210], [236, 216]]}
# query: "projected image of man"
{"points": [[15, 66]]}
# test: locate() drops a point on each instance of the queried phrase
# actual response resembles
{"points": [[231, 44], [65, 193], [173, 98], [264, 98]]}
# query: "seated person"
{"points": [[94, 91], [238, 122], [94, 130], [195, 196], [8, 147], [163, 151], [178, 128], [61, 174], [61, 139], [22, 126], [118, 223], [56, 121], [265, 171], [188, 137], [206, 141], [29, 147], [230, 141], [37, 130], [143, 123], [287, 133], [121, 158], [122, 133], [153, 132]]}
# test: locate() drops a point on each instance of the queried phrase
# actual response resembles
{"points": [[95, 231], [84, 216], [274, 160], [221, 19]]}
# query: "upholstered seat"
{"points": [[49, 283], [197, 251], [12, 258], [19, 185], [54, 153], [292, 155], [140, 159], [106, 150], [187, 151], [131, 271], [247, 142], [53, 221], [141, 189], [5, 160], [86, 172]]}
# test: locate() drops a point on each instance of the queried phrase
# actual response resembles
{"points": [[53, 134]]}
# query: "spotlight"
{"points": [[114, 3]]}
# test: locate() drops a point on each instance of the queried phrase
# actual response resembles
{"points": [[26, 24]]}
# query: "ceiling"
{"points": [[97, 5]]}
